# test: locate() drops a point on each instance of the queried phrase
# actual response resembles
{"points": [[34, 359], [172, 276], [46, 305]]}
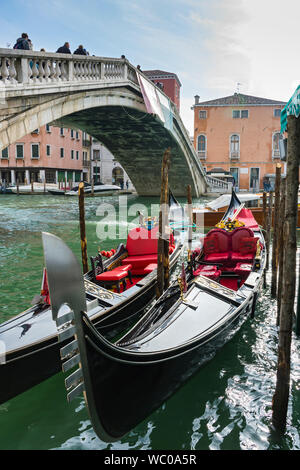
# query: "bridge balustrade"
{"points": [[35, 68]]}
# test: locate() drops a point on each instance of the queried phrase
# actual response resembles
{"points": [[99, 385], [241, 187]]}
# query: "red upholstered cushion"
{"points": [[237, 256], [223, 238], [114, 275], [141, 241], [150, 267], [216, 257], [237, 235], [209, 271], [141, 260], [243, 269], [247, 245], [211, 244], [125, 267]]}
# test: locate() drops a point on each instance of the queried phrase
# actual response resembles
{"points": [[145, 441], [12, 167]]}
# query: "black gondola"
{"points": [[124, 382], [31, 338]]}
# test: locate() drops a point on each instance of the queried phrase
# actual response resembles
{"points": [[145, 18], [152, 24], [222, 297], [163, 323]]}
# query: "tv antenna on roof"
{"points": [[238, 87]]}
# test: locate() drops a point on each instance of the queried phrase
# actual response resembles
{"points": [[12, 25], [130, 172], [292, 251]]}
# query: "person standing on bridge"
{"points": [[80, 50], [22, 42], [65, 49]]}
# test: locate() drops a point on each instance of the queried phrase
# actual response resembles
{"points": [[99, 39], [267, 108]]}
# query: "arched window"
{"points": [[234, 146], [275, 145], [201, 145]]}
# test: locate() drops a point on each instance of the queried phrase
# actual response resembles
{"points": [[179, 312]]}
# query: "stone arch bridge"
{"points": [[109, 99]]}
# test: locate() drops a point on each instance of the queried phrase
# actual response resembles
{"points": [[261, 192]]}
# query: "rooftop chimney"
{"points": [[197, 99]]}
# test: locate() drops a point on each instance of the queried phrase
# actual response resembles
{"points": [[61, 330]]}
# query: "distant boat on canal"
{"points": [[100, 189]]}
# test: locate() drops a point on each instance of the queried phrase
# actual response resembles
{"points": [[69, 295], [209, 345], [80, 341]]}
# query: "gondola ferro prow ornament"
{"points": [[66, 287]]}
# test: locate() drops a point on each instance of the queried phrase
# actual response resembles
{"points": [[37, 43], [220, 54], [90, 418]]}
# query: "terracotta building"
{"points": [[50, 154], [239, 134], [168, 82]]}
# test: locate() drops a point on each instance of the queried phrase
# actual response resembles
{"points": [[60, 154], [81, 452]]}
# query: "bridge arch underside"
{"points": [[138, 141]]}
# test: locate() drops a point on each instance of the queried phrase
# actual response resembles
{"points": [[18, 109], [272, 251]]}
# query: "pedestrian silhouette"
{"points": [[65, 49], [80, 50], [22, 42]]}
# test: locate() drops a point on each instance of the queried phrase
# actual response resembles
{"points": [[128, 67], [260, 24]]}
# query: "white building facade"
{"points": [[105, 168]]}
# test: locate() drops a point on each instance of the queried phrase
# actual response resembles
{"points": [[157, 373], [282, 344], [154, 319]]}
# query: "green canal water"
{"points": [[225, 406]]}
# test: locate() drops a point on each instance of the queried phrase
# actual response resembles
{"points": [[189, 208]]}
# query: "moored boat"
{"points": [[99, 189], [123, 382], [117, 290], [210, 214]]}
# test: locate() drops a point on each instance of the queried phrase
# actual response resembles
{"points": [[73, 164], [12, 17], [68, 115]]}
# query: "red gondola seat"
{"points": [[217, 246], [142, 249], [150, 267], [243, 245], [209, 271], [243, 269]]}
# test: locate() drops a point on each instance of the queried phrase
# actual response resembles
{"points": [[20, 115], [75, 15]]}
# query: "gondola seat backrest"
{"points": [[217, 246], [141, 241], [217, 241], [237, 237], [243, 245], [142, 249]]}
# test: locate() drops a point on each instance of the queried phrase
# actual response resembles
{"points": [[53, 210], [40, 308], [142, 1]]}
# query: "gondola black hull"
{"points": [[25, 367], [123, 391]]}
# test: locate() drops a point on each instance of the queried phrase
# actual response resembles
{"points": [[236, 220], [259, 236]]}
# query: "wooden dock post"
{"points": [[82, 228], [163, 276], [18, 188], [297, 326], [280, 248], [92, 190], [275, 231], [269, 227], [190, 218], [281, 395], [264, 225]]}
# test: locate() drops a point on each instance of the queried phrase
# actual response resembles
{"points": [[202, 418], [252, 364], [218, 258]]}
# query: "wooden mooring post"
{"points": [[276, 226], [18, 188], [82, 228], [264, 225], [280, 248], [281, 395], [269, 226], [163, 275], [190, 218]]}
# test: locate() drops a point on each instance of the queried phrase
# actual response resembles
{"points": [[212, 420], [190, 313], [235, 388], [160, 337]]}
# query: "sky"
{"points": [[216, 47]]}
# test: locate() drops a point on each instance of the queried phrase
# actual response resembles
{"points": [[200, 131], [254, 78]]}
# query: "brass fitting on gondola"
{"points": [[257, 256], [180, 282]]}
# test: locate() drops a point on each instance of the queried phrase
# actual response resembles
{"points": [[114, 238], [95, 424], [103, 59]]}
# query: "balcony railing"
{"points": [[202, 154], [275, 154], [234, 155]]}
